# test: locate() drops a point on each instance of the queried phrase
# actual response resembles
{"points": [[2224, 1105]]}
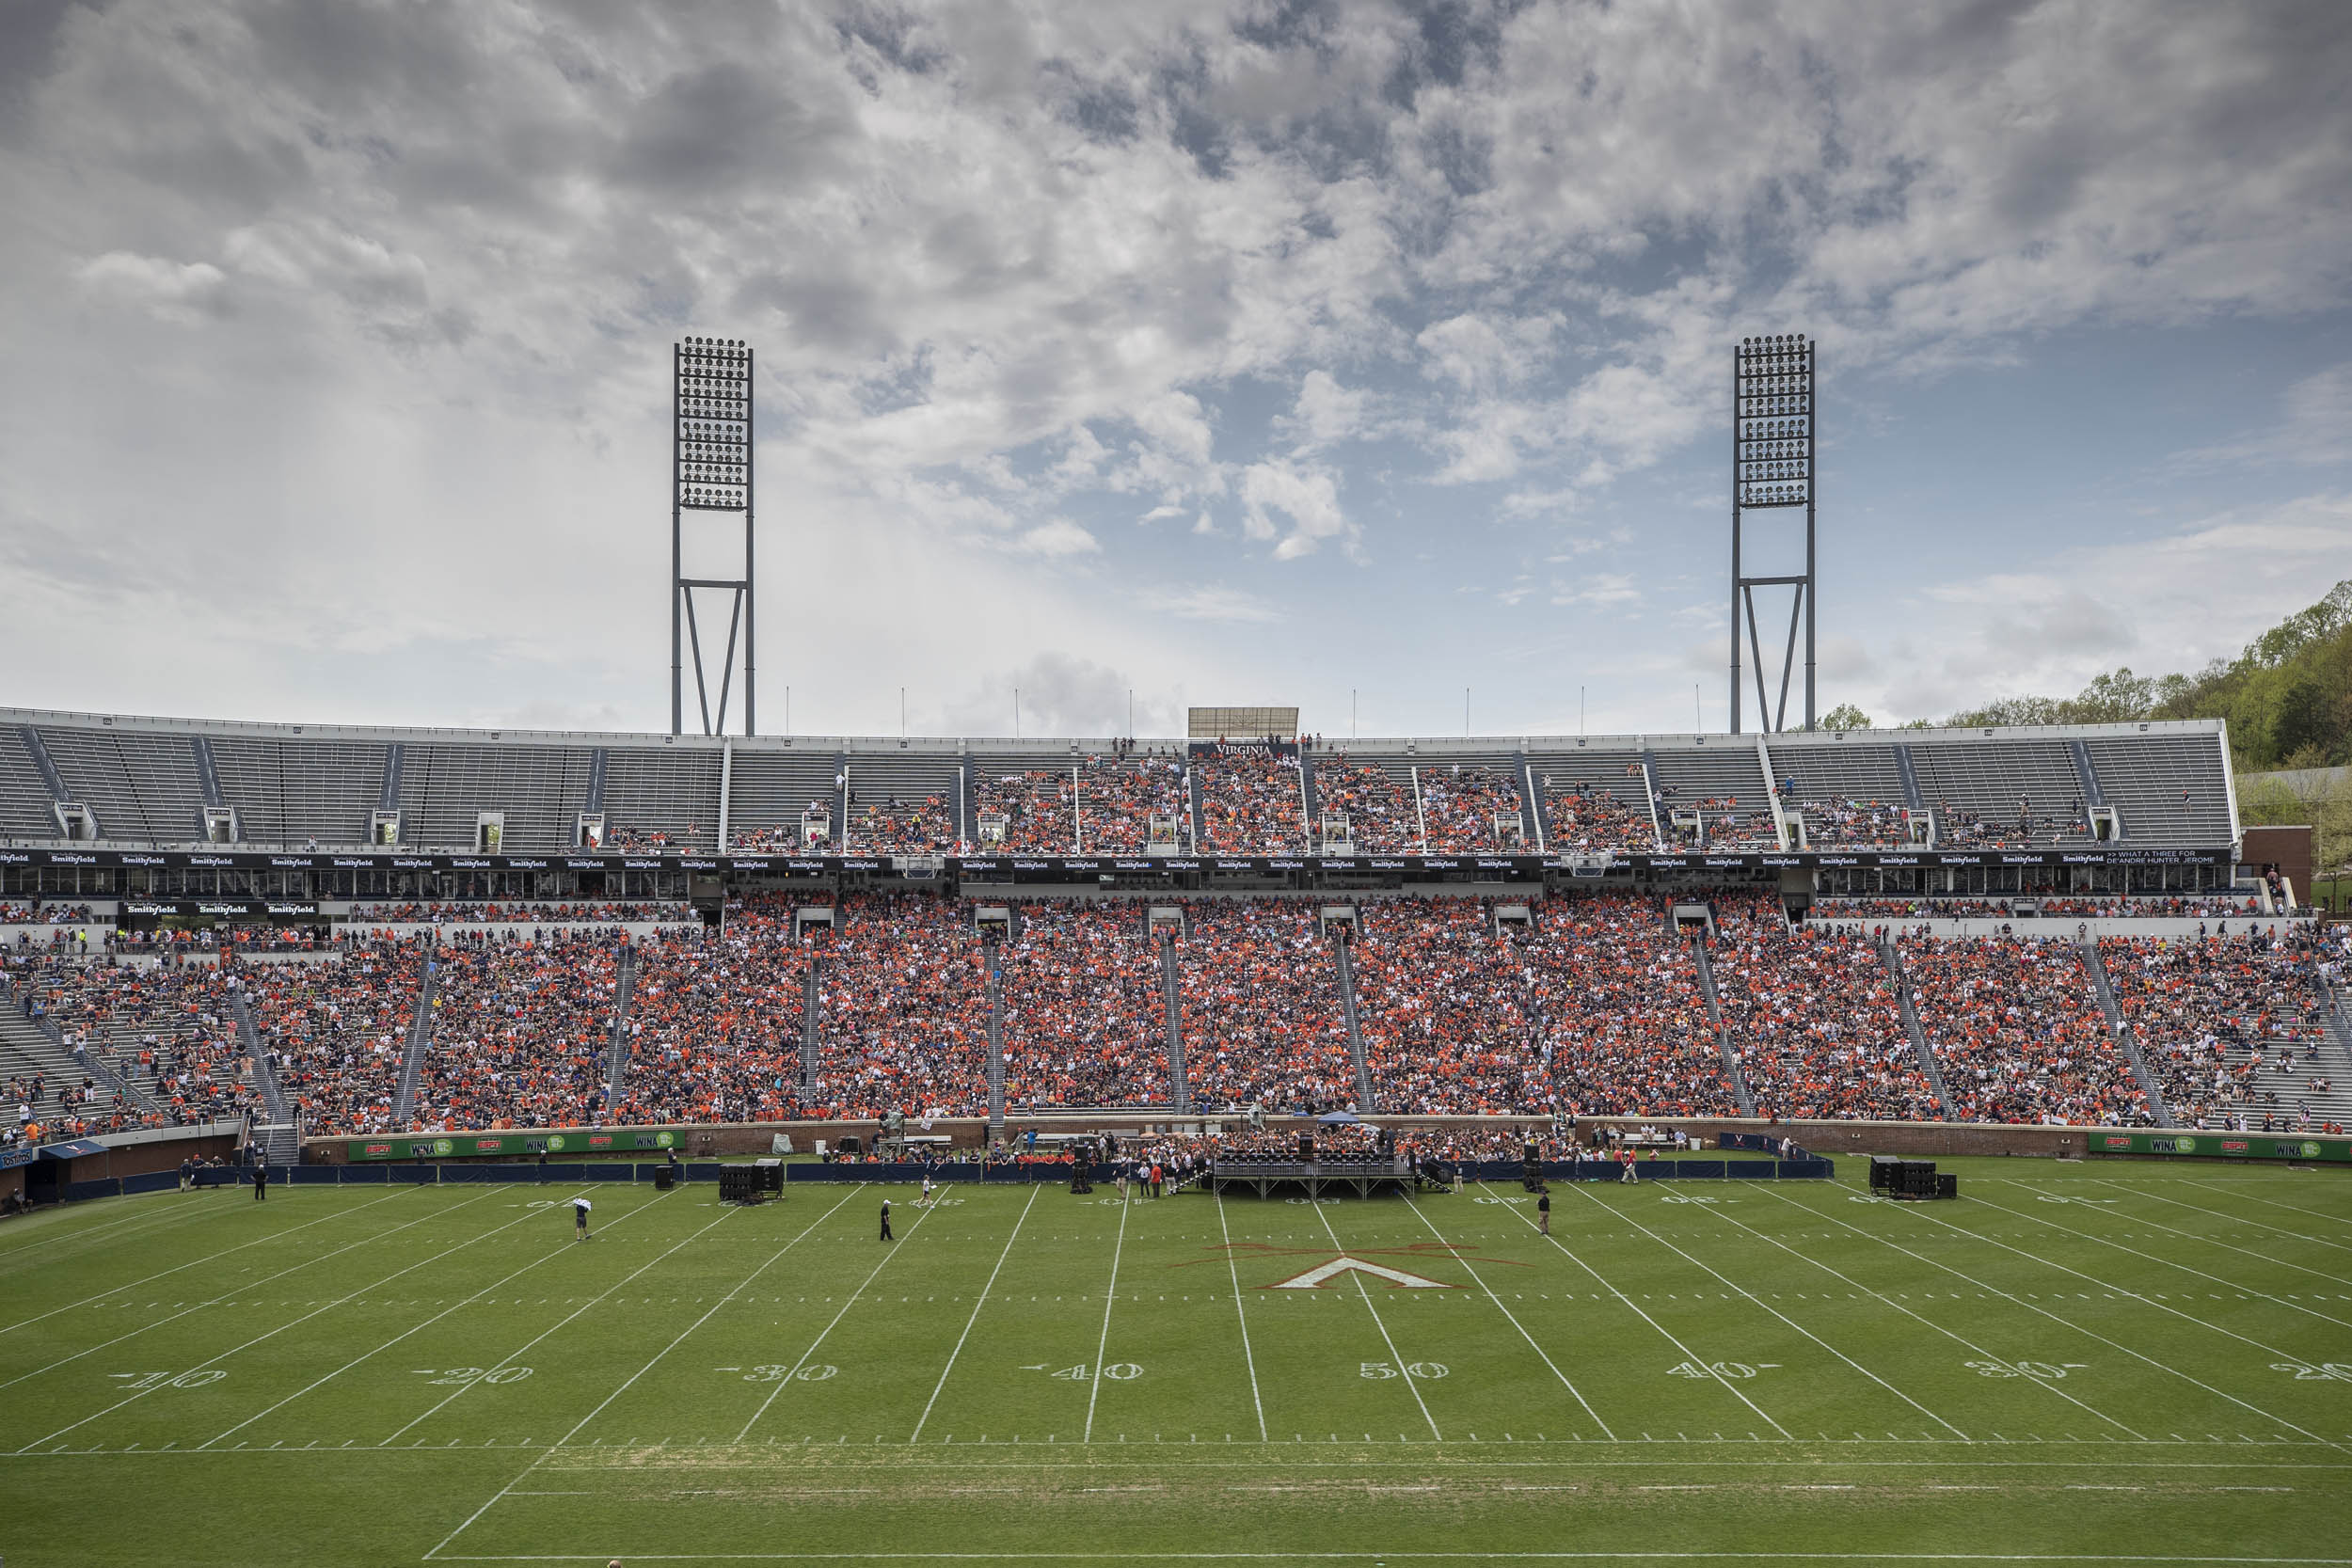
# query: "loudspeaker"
{"points": [[1307, 1146], [1947, 1186], [662, 1179]]}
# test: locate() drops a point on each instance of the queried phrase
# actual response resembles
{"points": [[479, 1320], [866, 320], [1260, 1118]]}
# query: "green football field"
{"points": [[2101, 1363]]}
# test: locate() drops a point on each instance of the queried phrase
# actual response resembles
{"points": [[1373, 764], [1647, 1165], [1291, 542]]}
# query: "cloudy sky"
{"points": [[1344, 355]]}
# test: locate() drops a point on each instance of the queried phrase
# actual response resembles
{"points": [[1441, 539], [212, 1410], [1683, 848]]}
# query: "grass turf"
{"points": [[2091, 1363]]}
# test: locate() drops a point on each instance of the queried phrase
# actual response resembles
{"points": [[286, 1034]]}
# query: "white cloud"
{"points": [[1060, 537], [1307, 494], [171, 291], [1216, 602]]}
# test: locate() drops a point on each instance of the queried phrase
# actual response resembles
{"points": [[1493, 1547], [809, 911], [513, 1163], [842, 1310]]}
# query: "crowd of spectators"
{"points": [[1462, 806], [903, 1023], [1714, 822], [1263, 1019], [1584, 817], [1252, 802], [1381, 818], [1038, 811], [521, 1033], [1085, 1020], [12, 913], [169, 1031], [338, 1030], [715, 1022], [1852, 823], [549, 913], [1613, 993], [891, 826], [1441, 1008], [1957, 829], [2018, 1032], [1814, 1018], [2219, 1019], [1119, 796]]}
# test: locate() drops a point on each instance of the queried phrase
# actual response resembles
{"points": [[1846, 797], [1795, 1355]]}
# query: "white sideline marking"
{"points": [[1396, 1359], [289, 1322], [1689, 1355], [1412, 1556], [848, 1302], [1628, 1217], [977, 1303], [1424, 1215], [1094, 1384], [541, 1456], [223, 1252], [1907, 1312], [1249, 1356], [508, 1358], [155, 1225], [2112, 1344], [557, 1251]]}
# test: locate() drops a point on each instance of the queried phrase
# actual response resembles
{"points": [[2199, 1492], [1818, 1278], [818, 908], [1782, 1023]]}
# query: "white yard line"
{"points": [[1573, 1393], [233, 1294], [1689, 1355], [1957, 1338], [557, 1251], [1094, 1384], [161, 1219], [1396, 1358], [2233, 1219], [976, 1312], [257, 1241], [508, 1359], [2171, 1263], [1233, 1270], [2112, 1344], [2267, 1202], [632, 1382], [872, 1275], [1776, 1311], [291, 1322]]}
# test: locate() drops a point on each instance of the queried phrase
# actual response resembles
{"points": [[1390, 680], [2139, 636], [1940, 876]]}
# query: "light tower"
{"points": [[1772, 468], [711, 470]]}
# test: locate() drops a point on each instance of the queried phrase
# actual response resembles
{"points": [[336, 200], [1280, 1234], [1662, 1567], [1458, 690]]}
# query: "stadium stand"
{"points": [[337, 1031], [2226, 1022], [2018, 1032], [1374, 800], [1083, 1019], [521, 1033], [1814, 1017], [1261, 1016], [1252, 800], [1471, 807], [1621, 1020], [1442, 1004], [905, 1010]]}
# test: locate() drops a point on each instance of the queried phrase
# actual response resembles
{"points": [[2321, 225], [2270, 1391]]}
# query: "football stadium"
{"points": [[453, 1117]]}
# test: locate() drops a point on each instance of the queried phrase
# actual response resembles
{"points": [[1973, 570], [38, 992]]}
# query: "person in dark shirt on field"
{"points": [[1543, 1214], [260, 1182], [885, 1221]]}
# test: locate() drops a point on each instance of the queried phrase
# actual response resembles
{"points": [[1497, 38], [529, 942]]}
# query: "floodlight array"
{"points": [[714, 424], [1773, 434]]}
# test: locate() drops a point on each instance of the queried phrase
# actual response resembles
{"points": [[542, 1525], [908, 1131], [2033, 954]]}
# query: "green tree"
{"points": [[1845, 716]]}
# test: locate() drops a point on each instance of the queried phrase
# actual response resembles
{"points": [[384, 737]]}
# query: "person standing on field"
{"points": [[885, 1221], [579, 1217], [1543, 1214]]}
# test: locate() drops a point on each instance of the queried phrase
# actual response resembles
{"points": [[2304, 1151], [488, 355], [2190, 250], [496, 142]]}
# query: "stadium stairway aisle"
{"points": [[1179, 1089], [419, 1041], [1723, 1036], [1346, 965], [1928, 1064], [624, 985], [2124, 1036]]}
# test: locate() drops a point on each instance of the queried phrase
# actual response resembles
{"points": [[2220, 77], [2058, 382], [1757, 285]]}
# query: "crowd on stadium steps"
{"points": [[338, 1031], [1722, 822], [902, 1021], [1262, 1015], [1462, 805], [1119, 796], [1584, 817], [521, 1033], [1853, 823], [1381, 818], [1613, 994], [1956, 828], [2226, 1022], [1441, 1008], [552, 913], [1085, 1015], [623, 836], [1038, 811], [43, 914], [910, 827], [1251, 799], [168, 1030], [1814, 1017], [715, 1022], [2018, 1032]]}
